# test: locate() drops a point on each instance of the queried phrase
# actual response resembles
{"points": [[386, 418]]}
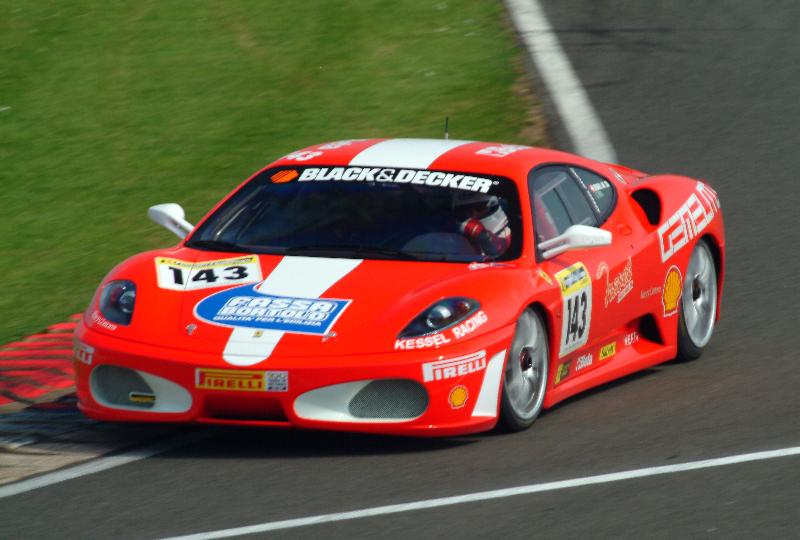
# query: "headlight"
{"points": [[117, 301], [439, 316]]}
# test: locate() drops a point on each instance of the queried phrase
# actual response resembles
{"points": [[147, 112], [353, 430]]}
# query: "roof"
{"points": [[509, 160]]}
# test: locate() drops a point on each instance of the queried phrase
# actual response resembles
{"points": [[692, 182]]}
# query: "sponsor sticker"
{"points": [[178, 275], [437, 340], [546, 277], [241, 380], [454, 367], [500, 150], [336, 144], [303, 155], [607, 351], [673, 288], [141, 397], [461, 181], [576, 295], [562, 372], [689, 221], [619, 287], [458, 397], [277, 381], [246, 307], [281, 177], [584, 361], [631, 338], [470, 325], [647, 293], [83, 352], [599, 186], [102, 322]]}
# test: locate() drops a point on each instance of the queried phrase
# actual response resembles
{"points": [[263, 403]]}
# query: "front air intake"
{"points": [[134, 390], [389, 399], [121, 386]]}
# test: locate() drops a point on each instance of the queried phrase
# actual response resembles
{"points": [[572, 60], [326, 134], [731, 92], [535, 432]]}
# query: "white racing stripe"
{"points": [[408, 153], [588, 135], [489, 495], [304, 277]]}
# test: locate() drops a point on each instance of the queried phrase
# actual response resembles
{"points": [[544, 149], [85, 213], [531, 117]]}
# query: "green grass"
{"points": [[109, 106]]}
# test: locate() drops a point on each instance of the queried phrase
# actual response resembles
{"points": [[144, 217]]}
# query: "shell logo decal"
{"points": [[673, 287], [458, 396]]}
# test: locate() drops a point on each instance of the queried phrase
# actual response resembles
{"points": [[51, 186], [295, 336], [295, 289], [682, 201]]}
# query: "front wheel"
{"points": [[525, 377], [698, 311]]}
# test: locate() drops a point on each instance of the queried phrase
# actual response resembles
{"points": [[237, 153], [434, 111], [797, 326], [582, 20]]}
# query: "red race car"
{"points": [[406, 286]]}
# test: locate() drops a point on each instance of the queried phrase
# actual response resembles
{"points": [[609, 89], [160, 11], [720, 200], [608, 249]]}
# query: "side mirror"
{"points": [[172, 217], [576, 236]]}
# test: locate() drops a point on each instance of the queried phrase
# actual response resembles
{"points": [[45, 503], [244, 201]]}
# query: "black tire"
{"points": [[699, 287], [525, 374]]}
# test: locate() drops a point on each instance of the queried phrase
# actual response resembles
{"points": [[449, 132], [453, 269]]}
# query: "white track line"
{"points": [[97, 465], [494, 494], [588, 135]]}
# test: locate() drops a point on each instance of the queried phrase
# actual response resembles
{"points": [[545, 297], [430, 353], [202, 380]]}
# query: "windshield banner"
{"points": [[397, 176]]}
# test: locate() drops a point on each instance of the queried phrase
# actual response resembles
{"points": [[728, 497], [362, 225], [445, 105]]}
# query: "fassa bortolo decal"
{"points": [[246, 307]]}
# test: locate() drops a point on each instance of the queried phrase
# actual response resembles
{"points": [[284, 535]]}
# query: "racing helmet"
{"points": [[475, 206]]}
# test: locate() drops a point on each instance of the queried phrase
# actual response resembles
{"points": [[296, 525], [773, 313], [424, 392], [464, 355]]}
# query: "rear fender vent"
{"points": [[650, 203], [648, 329]]}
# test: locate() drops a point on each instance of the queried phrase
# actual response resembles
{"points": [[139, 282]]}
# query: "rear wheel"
{"points": [[698, 311], [525, 377]]}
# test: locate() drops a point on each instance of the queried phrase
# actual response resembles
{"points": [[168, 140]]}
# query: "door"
{"points": [[593, 281]]}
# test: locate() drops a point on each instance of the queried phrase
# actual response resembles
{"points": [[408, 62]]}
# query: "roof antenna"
{"points": [[446, 131]]}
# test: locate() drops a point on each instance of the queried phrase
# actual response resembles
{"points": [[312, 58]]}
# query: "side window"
{"points": [[602, 192], [558, 201]]}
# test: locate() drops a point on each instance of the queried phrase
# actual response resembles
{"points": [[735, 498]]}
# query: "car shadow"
{"points": [[249, 442]]}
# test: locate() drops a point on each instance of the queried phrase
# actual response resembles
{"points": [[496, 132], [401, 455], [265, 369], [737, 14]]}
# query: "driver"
{"points": [[484, 223]]}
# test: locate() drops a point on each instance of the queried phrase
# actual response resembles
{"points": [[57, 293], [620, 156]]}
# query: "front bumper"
{"points": [[428, 392]]}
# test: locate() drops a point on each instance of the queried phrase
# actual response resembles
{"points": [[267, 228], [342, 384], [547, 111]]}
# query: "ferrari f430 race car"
{"points": [[406, 286]]}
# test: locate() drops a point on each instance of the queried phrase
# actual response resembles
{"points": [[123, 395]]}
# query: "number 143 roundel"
{"points": [[405, 286]]}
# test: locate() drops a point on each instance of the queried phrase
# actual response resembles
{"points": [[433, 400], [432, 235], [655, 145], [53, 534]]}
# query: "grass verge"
{"points": [[108, 107]]}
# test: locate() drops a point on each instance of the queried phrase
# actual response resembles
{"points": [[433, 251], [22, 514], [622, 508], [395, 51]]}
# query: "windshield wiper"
{"points": [[217, 245], [360, 251]]}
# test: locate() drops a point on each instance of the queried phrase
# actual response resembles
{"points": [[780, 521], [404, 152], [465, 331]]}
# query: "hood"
{"points": [[246, 306]]}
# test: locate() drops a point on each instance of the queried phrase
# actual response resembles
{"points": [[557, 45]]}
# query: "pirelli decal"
{"points": [[240, 380], [230, 379]]}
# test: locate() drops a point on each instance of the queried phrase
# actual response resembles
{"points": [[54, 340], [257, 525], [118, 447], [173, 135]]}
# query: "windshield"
{"points": [[369, 212]]}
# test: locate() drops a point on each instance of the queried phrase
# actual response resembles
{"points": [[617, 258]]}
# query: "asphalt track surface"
{"points": [[706, 89]]}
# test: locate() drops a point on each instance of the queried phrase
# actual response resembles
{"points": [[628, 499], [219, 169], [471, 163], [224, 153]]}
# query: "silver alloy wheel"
{"points": [[699, 297], [526, 368]]}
